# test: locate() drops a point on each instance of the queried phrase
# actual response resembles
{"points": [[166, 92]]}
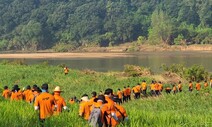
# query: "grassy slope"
{"points": [[184, 109]]}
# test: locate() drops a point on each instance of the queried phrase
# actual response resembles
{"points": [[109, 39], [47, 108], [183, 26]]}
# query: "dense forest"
{"points": [[42, 24]]}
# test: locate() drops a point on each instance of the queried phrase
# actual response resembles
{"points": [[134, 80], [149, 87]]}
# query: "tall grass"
{"points": [[183, 109]]}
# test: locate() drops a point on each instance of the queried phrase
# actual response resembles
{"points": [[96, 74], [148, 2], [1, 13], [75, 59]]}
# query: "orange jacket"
{"points": [[119, 93], [27, 94], [160, 86], [190, 86], [179, 86], [198, 86], [125, 92], [66, 70], [84, 109], [110, 109], [103, 108], [157, 86], [144, 86], [120, 113], [206, 85], [60, 102], [16, 95], [6, 93], [174, 88], [152, 86], [135, 89], [45, 102], [128, 91]]}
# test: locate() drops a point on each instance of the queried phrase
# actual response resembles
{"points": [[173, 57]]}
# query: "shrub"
{"points": [[135, 71], [196, 73]]}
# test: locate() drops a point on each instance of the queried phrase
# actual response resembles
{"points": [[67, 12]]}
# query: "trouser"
{"points": [[120, 101], [124, 98], [144, 92], [153, 92], [137, 95], [168, 91], [180, 90], [189, 89], [41, 122], [157, 92], [128, 97]]}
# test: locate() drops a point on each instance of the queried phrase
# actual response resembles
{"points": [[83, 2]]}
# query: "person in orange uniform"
{"points": [[100, 103], [66, 70], [168, 90], [152, 88], [60, 102], [128, 93], [16, 93], [120, 94], [6, 93], [190, 87], [211, 82], [111, 107], [198, 86], [84, 109], [44, 103], [174, 89], [144, 87], [35, 92], [27, 93], [124, 94], [120, 113], [205, 84], [157, 89], [94, 96], [160, 86], [137, 90], [180, 88]]}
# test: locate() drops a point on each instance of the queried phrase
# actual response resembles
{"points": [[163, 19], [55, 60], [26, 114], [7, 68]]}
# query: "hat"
{"points": [[37, 89], [45, 86], [28, 87], [57, 89], [85, 98], [100, 97]]}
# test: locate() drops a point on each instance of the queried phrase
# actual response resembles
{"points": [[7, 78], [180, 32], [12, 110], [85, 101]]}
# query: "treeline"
{"points": [[42, 24]]}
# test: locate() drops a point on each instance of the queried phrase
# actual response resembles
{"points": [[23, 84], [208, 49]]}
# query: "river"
{"points": [[152, 60]]}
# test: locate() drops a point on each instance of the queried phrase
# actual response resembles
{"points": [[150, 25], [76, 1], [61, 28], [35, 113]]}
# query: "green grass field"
{"points": [[181, 110]]}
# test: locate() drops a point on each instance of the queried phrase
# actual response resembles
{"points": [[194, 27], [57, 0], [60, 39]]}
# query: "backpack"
{"points": [[95, 117]]}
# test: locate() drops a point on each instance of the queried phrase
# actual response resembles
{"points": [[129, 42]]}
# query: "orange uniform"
{"points": [[160, 86], [66, 70], [125, 92], [6, 93], [156, 86], [152, 86], [60, 102], [84, 109], [17, 95], [135, 89], [206, 85], [27, 95], [128, 91], [198, 86], [144, 86], [190, 86], [103, 108], [180, 87], [174, 89], [110, 109], [45, 103], [120, 113], [119, 93]]}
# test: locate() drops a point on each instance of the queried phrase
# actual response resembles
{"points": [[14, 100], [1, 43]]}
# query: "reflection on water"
{"points": [[146, 59]]}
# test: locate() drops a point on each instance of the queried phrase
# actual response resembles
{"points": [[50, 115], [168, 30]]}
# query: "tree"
{"points": [[161, 28]]}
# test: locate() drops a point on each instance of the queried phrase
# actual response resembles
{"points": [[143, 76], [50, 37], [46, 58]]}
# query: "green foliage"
{"points": [[62, 47], [136, 71], [178, 40], [36, 24], [196, 73], [141, 39], [193, 73]]}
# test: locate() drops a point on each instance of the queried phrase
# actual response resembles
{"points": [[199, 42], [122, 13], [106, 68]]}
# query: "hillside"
{"points": [[44, 24]]}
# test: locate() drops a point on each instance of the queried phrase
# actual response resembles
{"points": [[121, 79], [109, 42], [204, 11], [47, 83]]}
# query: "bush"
{"points": [[62, 47], [135, 71], [196, 73]]}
